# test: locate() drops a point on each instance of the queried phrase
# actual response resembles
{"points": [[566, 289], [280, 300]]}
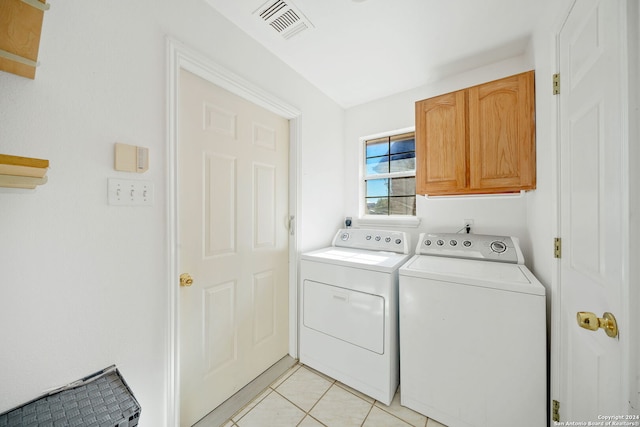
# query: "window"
{"points": [[390, 175]]}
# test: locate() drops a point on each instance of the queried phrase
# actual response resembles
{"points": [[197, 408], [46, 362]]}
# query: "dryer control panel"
{"points": [[373, 240], [481, 247]]}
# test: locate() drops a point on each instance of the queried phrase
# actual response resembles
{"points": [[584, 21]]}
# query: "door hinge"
{"points": [[557, 247], [556, 84], [556, 411]]}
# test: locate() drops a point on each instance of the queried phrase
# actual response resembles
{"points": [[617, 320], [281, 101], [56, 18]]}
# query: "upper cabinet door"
{"points": [[441, 144], [502, 134]]}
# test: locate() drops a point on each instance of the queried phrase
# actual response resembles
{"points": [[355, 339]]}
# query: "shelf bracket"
{"points": [[38, 5]]}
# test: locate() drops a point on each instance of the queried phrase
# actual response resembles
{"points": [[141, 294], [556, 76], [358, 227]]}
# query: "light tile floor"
{"points": [[304, 397]]}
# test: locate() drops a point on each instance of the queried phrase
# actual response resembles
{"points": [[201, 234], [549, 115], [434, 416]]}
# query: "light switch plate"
{"points": [[129, 192]]}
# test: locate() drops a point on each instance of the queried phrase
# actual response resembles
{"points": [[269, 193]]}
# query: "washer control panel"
{"points": [[374, 240], [471, 246]]}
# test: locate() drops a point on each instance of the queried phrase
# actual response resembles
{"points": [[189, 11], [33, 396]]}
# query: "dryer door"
{"points": [[345, 314]]}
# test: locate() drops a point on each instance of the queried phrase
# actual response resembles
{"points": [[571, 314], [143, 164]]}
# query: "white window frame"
{"points": [[382, 220]]}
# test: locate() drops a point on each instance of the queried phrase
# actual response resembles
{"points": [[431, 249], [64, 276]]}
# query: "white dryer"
{"points": [[473, 333], [349, 310]]}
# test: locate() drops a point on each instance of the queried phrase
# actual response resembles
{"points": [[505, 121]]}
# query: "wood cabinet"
{"points": [[478, 140]]}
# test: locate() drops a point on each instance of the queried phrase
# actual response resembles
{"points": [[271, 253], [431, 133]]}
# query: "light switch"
{"points": [[129, 192]]}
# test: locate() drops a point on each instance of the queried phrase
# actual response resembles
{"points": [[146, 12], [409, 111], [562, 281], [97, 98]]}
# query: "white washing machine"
{"points": [[349, 310], [472, 333]]}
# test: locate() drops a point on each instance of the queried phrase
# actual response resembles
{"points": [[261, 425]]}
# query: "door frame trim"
{"points": [[181, 57], [555, 325]]}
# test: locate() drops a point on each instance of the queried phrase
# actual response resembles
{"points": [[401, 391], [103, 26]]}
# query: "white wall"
{"points": [[503, 215], [83, 285]]}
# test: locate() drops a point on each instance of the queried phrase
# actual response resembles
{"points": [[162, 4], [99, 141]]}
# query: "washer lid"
{"points": [[494, 275], [358, 258]]}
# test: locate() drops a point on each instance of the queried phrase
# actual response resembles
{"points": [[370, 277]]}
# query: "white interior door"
{"points": [[593, 203], [233, 241]]}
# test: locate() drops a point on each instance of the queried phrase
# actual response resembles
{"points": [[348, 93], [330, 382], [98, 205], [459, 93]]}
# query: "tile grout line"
{"points": [[332, 382], [286, 376], [351, 390], [252, 405], [281, 379], [368, 413], [337, 383], [398, 417], [308, 413]]}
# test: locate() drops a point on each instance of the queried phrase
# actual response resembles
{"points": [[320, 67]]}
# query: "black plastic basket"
{"points": [[102, 399]]}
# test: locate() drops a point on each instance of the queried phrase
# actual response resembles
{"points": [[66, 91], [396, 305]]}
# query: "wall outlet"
{"points": [[129, 192]]}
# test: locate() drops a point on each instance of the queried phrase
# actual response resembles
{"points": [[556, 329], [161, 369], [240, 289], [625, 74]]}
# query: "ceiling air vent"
{"points": [[283, 17]]}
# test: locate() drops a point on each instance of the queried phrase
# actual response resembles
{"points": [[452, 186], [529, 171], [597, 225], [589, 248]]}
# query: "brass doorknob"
{"points": [[592, 322], [186, 279]]}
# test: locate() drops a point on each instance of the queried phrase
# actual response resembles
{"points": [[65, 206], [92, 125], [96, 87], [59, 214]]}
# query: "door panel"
{"points": [[219, 202], [265, 209], [220, 342], [265, 303], [592, 207], [233, 240], [585, 182]]}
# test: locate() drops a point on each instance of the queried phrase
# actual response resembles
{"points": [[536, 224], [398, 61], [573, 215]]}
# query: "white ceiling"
{"points": [[358, 51]]}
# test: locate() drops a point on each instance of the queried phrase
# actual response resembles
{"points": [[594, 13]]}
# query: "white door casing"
{"points": [[183, 58], [592, 370]]}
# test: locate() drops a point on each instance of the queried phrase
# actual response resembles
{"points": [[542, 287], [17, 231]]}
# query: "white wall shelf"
{"points": [[22, 172]]}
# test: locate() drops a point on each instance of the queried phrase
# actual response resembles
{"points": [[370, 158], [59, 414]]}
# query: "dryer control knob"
{"points": [[498, 247], [345, 236]]}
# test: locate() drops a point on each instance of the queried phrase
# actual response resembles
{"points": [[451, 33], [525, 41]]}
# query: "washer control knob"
{"points": [[440, 242], [368, 237], [466, 243], [498, 247], [387, 239], [453, 242], [345, 236], [378, 238], [427, 242], [398, 241]]}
